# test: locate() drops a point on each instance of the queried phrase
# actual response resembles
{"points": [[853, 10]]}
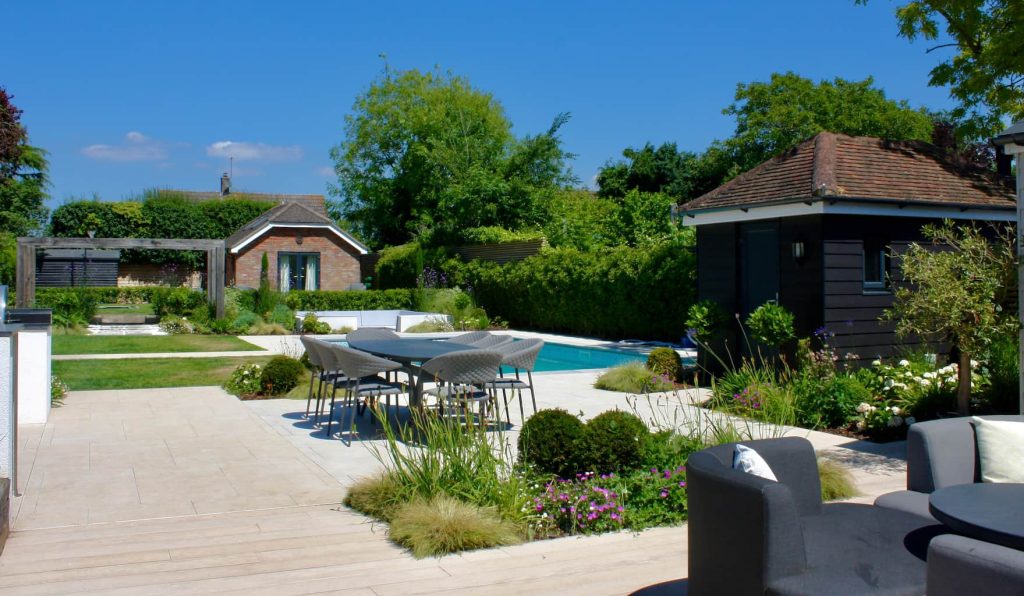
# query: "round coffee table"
{"points": [[990, 512]]}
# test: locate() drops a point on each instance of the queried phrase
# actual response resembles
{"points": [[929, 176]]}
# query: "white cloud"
{"points": [[326, 171], [254, 151], [136, 147]]}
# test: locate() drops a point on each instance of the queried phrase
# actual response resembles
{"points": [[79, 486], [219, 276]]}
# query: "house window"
{"points": [[298, 271], [876, 265]]}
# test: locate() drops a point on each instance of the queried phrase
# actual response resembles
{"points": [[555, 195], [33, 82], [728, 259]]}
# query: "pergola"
{"points": [[1012, 142], [26, 265]]}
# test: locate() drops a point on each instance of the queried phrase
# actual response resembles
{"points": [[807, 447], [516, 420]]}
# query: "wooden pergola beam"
{"points": [[215, 255]]}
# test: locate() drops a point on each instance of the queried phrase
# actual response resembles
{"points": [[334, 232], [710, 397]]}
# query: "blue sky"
{"points": [[133, 95]]}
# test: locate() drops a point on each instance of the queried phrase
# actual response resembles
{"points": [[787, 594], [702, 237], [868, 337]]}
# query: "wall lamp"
{"points": [[798, 251]]}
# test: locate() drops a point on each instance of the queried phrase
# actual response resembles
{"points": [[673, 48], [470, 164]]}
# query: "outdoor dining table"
{"points": [[408, 351], [990, 512]]}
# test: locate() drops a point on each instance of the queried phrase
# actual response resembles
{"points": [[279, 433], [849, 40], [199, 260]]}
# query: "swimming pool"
{"points": [[562, 357]]}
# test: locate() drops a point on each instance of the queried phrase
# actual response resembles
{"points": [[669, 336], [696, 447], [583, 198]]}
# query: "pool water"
{"points": [[565, 357], [558, 357]]}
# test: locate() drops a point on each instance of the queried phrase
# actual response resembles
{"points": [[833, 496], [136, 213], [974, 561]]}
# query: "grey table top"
{"points": [[407, 350], [991, 512]]}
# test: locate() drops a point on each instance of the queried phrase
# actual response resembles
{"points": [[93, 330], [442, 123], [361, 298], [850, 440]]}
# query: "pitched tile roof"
{"points": [[313, 202], [838, 167], [284, 214]]}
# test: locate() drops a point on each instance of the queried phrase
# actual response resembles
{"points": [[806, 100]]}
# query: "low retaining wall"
{"points": [[399, 320]]}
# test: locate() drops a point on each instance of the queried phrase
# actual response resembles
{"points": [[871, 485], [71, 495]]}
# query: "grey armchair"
{"points": [[940, 453], [959, 565], [749, 535]]}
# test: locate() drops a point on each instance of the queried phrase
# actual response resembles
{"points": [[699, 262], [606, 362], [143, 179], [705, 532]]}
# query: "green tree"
{"points": [[985, 74], [23, 178], [775, 116], [665, 169], [961, 289], [426, 153]]}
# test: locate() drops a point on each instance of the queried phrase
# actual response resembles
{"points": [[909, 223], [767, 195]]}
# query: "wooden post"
{"points": [[25, 267], [215, 279]]}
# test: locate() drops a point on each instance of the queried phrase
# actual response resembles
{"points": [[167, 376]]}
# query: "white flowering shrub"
{"points": [[245, 380], [912, 388]]}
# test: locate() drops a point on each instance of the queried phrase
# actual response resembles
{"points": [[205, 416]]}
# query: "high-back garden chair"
{"points": [[460, 377], [321, 373], [492, 341], [362, 383], [521, 356], [469, 338], [371, 333]]}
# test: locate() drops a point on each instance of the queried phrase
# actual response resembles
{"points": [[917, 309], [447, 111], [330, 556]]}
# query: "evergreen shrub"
{"points": [[614, 441], [281, 375], [548, 441], [665, 361]]}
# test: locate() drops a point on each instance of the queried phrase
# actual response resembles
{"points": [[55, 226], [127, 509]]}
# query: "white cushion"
{"points": [[751, 462], [1000, 449]]}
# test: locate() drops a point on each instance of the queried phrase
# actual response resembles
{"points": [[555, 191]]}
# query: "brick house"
{"points": [[305, 250]]}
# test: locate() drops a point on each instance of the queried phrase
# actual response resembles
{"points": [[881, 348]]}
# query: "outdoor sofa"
{"points": [[750, 535], [940, 453]]}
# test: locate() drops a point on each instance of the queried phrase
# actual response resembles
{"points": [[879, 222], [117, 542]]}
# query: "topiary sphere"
{"points": [[614, 441], [281, 375], [665, 361], [549, 440]]}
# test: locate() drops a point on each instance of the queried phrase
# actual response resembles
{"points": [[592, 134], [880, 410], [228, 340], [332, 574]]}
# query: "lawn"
{"points": [[125, 309], [140, 344], [145, 373]]}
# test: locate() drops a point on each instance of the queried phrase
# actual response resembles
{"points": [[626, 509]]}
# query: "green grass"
{"points": [[632, 377], [146, 373], [147, 344], [836, 481], [445, 525], [125, 309]]}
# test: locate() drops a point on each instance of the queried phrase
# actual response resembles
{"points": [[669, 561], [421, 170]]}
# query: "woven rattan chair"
{"points": [[321, 374], [361, 382], [522, 357], [371, 333], [460, 377], [492, 342], [469, 338]]}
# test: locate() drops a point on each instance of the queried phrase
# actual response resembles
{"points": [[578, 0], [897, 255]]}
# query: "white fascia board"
{"points": [[253, 236], [1013, 149], [845, 208]]}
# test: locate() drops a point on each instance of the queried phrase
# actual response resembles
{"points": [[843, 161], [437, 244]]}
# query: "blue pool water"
{"points": [[565, 357], [555, 357]]}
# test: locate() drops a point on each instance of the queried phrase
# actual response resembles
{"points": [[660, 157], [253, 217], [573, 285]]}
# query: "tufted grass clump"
{"points": [[376, 496], [442, 525], [836, 481], [633, 377]]}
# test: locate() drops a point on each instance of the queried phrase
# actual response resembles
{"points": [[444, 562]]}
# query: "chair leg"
{"points": [[330, 410], [533, 396], [309, 394]]}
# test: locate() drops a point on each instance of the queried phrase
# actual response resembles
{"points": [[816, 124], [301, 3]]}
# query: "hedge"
{"points": [[399, 266], [351, 300], [615, 293], [108, 295]]}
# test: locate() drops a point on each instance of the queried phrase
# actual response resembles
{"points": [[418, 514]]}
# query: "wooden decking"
{"points": [[188, 491]]}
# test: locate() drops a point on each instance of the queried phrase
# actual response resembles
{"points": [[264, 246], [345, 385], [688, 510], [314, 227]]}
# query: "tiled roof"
{"points": [[287, 213], [313, 202], [838, 167]]}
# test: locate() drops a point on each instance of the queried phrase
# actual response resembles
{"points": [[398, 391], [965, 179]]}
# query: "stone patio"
{"points": [[193, 491]]}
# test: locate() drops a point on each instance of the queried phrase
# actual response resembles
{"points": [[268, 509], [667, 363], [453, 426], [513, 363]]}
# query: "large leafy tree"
{"points": [[774, 116], [771, 117], [985, 71], [22, 174], [425, 153], [961, 290]]}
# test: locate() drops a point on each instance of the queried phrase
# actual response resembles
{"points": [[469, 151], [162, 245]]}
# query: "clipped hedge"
{"points": [[107, 295], [399, 266], [350, 300], [617, 292]]}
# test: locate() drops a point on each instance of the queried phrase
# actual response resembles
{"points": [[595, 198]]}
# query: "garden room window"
{"points": [[876, 265], [298, 271]]}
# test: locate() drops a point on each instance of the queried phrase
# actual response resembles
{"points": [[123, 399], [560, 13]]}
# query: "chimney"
{"points": [[225, 185]]}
